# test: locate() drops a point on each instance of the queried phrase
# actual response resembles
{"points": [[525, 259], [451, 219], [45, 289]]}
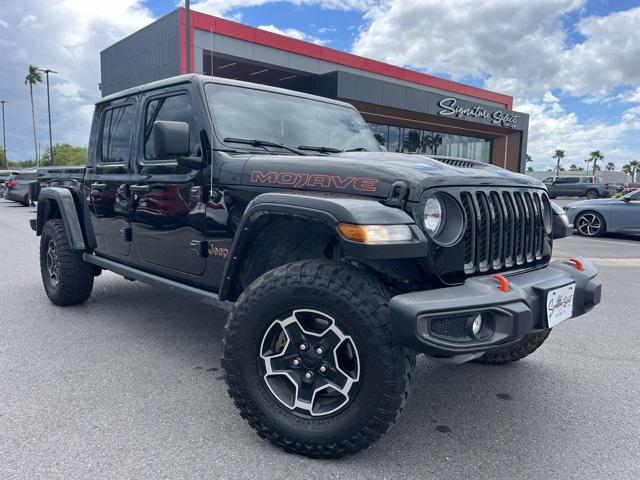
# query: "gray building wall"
{"points": [[150, 54], [242, 50]]}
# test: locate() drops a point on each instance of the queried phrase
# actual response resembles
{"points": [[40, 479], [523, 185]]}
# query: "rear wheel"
{"points": [[67, 279], [590, 224], [310, 361], [591, 194], [525, 347]]}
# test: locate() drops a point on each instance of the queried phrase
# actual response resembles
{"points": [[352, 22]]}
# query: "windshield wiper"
{"points": [[320, 149], [358, 149], [262, 143]]}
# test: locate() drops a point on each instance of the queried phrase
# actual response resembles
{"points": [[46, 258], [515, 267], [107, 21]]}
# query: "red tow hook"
{"points": [[578, 263], [503, 281]]}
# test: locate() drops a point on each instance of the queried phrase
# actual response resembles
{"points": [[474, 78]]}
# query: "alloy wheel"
{"points": [[308, 363], [589, 224]]}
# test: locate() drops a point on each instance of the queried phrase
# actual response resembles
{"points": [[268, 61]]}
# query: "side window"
{"points": [[117, 125], [176, 108]]}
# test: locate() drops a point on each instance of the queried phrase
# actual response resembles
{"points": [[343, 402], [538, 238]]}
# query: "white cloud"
{"points": [[523, 47], [293, 33], [66, 36], [552, 128]]}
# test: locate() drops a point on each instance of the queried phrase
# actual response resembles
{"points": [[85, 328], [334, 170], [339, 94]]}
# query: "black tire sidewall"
{"points": [[375, 377], [47, 237]]}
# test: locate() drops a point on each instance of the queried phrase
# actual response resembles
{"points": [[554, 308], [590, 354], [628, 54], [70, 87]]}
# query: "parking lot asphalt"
{"points": [[129, 385]]}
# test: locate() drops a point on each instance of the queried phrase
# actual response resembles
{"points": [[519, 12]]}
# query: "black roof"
{"points": [[200, 79]]}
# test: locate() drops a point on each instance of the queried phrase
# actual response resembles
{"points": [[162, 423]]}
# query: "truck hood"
{"points": [[373, 173]]}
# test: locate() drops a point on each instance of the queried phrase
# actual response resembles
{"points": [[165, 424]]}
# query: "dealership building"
{"points": [[408, 111]]}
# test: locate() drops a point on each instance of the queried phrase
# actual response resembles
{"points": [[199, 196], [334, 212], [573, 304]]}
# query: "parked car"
{"points": [[20, 188], [582, 186], [630, 187], [611, 215], [343, 260], [5, 176]]}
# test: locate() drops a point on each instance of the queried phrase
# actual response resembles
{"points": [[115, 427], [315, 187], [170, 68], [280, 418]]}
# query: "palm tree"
{"points": [[595, 156], [635, 164], [588, 161], [631, 168], [558, 156], [611, 167], [33, 77]]}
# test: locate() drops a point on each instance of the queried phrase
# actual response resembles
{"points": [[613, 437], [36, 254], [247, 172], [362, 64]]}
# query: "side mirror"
{"points": [[194, 163], [626, 199], [170, 139]]}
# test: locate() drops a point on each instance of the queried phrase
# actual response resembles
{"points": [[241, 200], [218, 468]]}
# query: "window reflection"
{"points": [[411, 140]]}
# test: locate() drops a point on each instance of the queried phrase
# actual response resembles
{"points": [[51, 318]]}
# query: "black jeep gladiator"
{"points": [[341, 261]]}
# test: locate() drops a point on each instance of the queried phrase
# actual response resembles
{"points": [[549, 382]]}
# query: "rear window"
{"points": [[117, 125]]}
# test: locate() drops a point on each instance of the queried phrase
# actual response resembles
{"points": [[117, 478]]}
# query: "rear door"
{"points": [[167, 199], [107, 179]]}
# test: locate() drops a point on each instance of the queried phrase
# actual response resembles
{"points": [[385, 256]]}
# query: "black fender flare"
{"points": [[330, 210], [65, 202]]}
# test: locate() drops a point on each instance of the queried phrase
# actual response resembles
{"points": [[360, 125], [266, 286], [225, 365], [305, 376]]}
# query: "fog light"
{"points": [[476, 326]]}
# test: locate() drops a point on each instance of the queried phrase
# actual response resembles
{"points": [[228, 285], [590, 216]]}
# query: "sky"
{"points": [[572, 65]]}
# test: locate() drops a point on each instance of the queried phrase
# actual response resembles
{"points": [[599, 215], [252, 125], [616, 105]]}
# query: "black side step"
{"points": [[151, 279]]}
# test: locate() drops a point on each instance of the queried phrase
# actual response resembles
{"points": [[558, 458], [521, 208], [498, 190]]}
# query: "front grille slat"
{"points": [[504, 229]]}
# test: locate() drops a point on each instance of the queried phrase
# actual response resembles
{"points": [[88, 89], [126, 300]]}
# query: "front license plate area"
{"points": [[560, 304]]}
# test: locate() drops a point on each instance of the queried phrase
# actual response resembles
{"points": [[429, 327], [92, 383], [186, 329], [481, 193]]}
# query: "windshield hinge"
{"points": [[397, 195]]}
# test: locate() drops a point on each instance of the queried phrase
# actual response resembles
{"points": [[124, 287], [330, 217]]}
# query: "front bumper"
{"points": [[437, 322]]}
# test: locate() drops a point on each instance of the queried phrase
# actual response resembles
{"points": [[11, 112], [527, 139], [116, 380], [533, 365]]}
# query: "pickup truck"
{"points": [[340, 261], [575, 186]]}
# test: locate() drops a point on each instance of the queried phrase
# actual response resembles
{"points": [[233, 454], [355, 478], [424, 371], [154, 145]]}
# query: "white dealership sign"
{"points": [[449, 107]]}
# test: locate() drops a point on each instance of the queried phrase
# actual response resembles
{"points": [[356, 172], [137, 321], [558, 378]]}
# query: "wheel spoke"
{"points": [[336, 378]]}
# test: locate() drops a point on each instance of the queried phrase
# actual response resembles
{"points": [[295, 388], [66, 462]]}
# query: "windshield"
{"points": [[246, 113]]}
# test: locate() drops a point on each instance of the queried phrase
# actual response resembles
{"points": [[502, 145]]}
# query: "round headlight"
{"points": [[443, 219], [433, 212]]}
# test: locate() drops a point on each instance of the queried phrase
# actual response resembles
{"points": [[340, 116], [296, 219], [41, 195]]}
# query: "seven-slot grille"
{"points": [[505, 228]]}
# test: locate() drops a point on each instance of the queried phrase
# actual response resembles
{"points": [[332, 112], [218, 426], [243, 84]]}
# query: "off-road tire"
{"points": [[526, 346], [75, 276], [360, 305]]}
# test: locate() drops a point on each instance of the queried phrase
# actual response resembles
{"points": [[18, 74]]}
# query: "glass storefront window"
{"points": [[411, 140], [393, 144]]}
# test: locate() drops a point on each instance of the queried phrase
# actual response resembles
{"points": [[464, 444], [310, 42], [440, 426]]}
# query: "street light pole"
{"points": [[47, 71], [4, 136]]}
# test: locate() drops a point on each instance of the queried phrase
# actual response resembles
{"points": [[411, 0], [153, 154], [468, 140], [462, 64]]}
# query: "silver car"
{"points": [[611, 215]]}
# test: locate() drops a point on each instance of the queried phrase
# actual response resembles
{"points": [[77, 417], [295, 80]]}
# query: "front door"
{"points": [[626, 215], [107, 180], [167, 199]]}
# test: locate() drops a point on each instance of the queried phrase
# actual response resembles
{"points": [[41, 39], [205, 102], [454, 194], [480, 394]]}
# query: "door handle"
{"points": [[140, 188], [98, 186]]}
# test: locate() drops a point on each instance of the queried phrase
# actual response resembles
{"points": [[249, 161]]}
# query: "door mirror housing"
{"points": [[171, 139]]}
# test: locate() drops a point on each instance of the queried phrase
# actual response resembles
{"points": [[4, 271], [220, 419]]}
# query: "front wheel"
{"points": [[310, 361], [67, 278], [590, 224]]}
